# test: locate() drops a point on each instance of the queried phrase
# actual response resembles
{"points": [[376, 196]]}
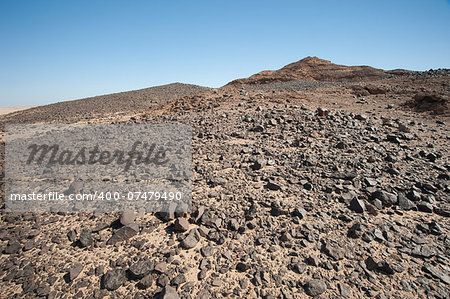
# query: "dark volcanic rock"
{"points": [[423, 251], [114, 279], [414, 195], [169, 293], [123, 234], [72, 235], [181, 225], [388, 199], [357, 205], [299, 212], [334, 251], [437, 273], [299, 268], [273, 186], [161, 267], [179, 279], [425, 207], [233, 225], [242, 267], [252, 212], [435, 228], [258, 164], [146, 282], [189, 242], [139, 269], [355, 231], [126, 218], [28, 245], [75, 271], [404, 203], [315, 287], [258, 129], [371, 264], [207, 251], [168, 213], [13, 247], [217, 181], [386, 268], [322, 111], [86, 239], [100, 226]]}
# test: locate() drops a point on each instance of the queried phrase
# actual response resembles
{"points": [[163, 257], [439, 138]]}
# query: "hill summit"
{"points": [[314, 69]]}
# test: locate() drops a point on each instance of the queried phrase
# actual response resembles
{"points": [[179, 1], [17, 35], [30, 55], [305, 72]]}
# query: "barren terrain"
{"points": [[316, 180], [7, 110]]}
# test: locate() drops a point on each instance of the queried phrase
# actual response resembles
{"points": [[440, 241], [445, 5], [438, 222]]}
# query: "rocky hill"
{"points": [[134, 101], [314, 69]]}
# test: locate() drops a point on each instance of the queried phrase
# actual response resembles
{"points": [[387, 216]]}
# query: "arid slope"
{"points": [[105, 105], [314, 69]]}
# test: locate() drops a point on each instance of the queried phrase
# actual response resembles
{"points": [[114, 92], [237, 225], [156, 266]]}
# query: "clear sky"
{"points": [[59, 50]]}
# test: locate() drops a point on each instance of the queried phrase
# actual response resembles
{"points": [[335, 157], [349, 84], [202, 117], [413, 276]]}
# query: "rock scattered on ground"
{"points": [[328, 189]]}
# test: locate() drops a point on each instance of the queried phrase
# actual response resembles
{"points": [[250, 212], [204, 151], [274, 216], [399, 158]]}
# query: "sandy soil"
{"points": [[7, 110]]}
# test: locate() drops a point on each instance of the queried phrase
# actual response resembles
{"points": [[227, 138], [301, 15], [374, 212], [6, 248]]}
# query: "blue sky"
{"points": [[59, 50]]}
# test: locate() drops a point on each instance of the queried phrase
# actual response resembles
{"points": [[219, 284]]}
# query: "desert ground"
{"points": [[7, 110], [315, 180]]}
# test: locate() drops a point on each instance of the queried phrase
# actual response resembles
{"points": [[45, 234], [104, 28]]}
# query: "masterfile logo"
{"points": [[104, 167]]}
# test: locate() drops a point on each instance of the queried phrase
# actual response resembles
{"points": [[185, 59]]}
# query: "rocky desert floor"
{"points": [[300, 189]]}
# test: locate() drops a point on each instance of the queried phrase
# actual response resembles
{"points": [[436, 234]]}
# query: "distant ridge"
{"points": [[309, 72], [100, 106], [314, 69]]}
